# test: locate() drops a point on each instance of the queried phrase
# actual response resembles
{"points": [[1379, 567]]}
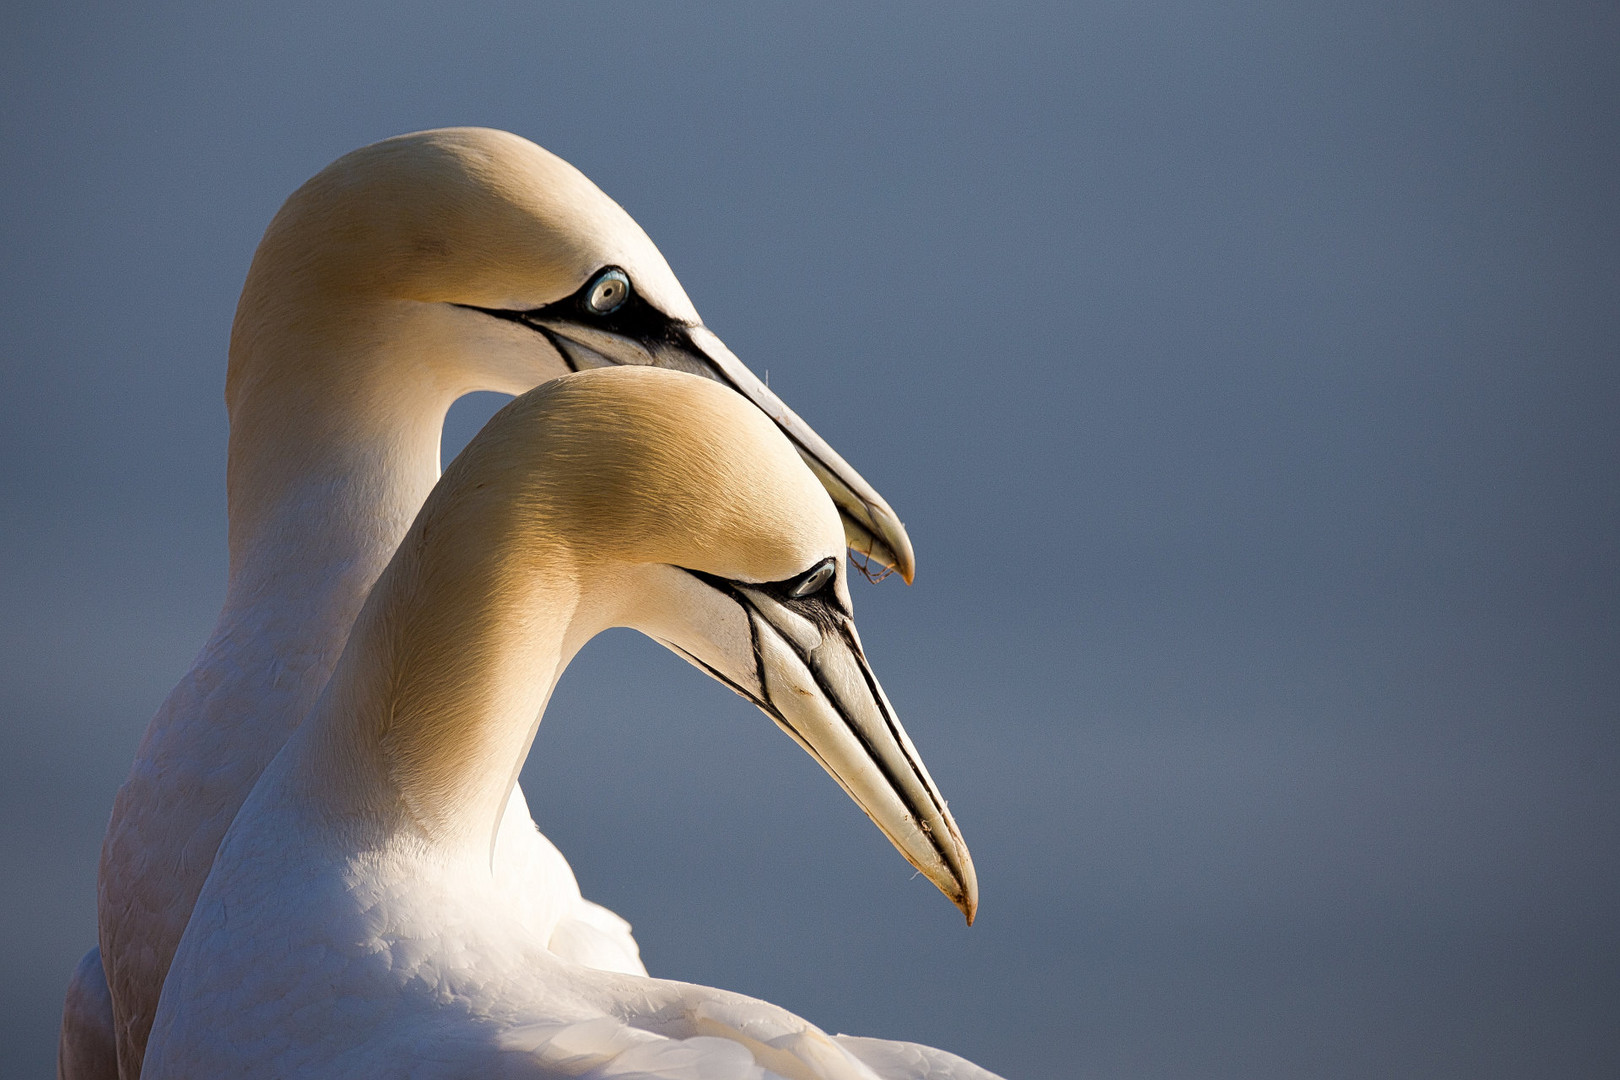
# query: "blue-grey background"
{"points": [[1248, 377]]}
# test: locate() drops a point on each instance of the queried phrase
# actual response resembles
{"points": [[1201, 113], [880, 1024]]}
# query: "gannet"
{"points": [[401, 277], [354, 922]]}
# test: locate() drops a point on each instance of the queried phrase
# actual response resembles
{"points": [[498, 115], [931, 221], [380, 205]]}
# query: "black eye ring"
{"points": [[608, 292], [814, 580]]}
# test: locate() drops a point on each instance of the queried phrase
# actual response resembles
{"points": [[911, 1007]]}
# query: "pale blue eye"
{"points": [[814, 581], [608, 292]]}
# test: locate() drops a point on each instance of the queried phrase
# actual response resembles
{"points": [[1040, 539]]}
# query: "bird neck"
{"points": [[334, 444], [433, 706]]}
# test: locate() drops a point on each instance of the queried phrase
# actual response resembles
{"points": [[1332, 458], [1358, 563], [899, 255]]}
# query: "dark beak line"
{"points": [[551, 338], [890, 723], [523, 319], [764, 706], [888, 717]]}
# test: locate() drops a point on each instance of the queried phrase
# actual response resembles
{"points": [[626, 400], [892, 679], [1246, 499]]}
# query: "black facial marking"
{"points": [[634, 318]]}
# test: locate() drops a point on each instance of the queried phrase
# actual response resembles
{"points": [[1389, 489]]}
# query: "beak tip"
{"points": [[966, 894], [904, 556], [969, 901], [893, 545]]}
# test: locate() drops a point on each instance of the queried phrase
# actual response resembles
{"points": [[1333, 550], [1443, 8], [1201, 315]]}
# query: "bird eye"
{"points": [[608, 291], [814, 581]]}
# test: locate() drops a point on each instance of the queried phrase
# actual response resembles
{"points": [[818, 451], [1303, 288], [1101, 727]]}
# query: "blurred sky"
{"points": [[1247, 377]]}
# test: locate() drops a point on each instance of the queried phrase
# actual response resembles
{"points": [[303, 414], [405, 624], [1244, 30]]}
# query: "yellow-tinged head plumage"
{"points": [[647, 465]]}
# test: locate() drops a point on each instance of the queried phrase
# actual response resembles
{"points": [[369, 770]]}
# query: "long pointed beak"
{"points": [[871, 527], [818, 687]]}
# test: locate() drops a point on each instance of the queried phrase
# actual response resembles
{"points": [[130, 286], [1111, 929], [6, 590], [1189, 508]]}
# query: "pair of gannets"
{"points": [[401, 277], [353, 919]]}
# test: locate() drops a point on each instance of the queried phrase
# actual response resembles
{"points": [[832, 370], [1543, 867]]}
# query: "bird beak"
{"points": [[807, 671], [870, 526]]}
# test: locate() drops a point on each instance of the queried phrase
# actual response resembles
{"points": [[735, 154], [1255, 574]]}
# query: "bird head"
{"points": [[694, 520], [505, 266]]}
